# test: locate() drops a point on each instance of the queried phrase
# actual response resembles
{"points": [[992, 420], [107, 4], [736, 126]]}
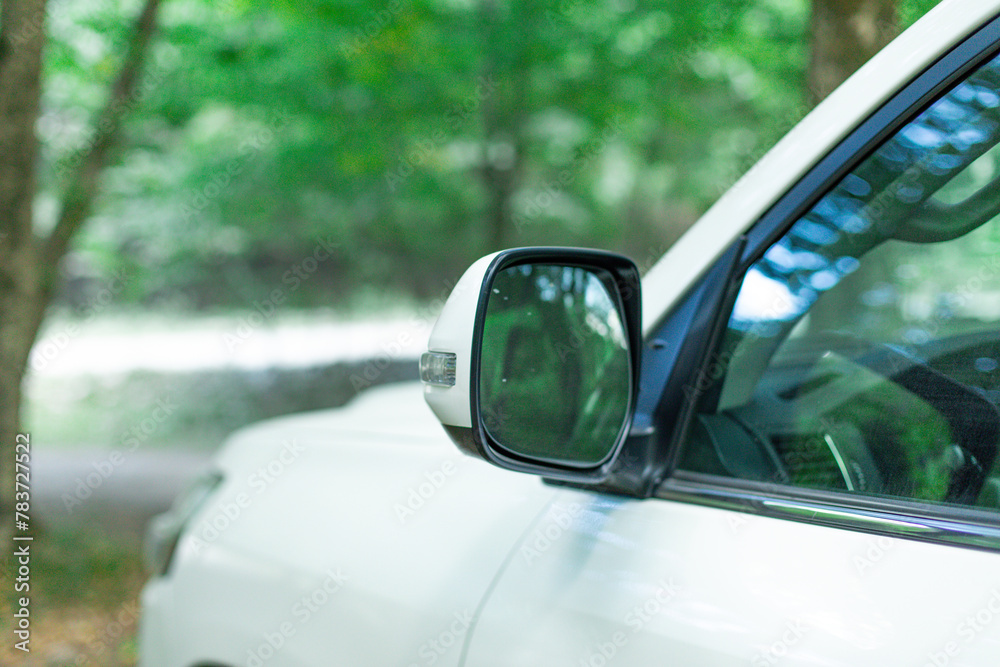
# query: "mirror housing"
{"points": [[533, 364]]}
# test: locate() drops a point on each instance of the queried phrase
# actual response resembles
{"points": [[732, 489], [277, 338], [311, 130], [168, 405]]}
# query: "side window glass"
{"points": [[863, 351]]}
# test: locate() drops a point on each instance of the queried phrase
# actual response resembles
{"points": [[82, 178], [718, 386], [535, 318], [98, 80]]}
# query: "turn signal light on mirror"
{"points": [[438, 368]]}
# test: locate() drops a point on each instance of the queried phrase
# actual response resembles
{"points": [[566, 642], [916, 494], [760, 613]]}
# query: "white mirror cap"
{"points": [[452, 334]]}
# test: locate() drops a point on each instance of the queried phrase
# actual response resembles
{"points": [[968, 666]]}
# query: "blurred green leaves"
{"points": [[416, 131]]}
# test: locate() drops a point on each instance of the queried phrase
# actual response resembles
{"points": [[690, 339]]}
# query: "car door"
{"points": [[827, 431]]}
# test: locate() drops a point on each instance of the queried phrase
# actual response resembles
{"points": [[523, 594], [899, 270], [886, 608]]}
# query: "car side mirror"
{"points": [[533, 364]]}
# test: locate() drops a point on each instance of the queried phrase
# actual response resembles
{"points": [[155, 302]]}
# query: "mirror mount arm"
{"points": [[629, 477]]}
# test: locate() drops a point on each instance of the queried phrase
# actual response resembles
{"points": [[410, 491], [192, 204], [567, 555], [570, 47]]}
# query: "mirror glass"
{"points": [[554, 364]]}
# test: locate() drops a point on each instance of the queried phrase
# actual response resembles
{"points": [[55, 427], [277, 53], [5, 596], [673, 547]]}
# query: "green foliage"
{"points": [[395, 127], [72, 567]]}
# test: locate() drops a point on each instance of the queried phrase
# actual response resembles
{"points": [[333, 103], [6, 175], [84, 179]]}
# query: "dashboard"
{"points": [[838, 413]]}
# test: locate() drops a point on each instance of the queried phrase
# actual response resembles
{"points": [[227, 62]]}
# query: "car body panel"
{"points": [[631, 579], [414, 519], [530, 574]]}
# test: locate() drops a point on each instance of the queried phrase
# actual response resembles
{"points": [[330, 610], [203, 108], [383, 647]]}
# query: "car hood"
{"points": [[374, 497], [395, 412]]}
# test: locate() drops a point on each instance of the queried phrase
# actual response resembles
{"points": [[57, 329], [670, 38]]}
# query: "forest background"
{"points": [[291, 173]]}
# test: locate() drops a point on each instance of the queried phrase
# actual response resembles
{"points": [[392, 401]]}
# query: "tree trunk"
{"points": [[503, 117], [845, 34], [28, 264], [22, 35]]}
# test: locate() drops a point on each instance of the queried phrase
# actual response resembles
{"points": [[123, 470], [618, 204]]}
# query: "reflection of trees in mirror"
{"points": [[554, 379]]}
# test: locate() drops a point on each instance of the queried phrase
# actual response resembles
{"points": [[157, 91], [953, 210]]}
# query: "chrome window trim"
{"points": [[953, 525]]}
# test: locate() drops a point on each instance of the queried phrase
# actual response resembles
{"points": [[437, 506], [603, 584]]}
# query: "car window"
{"points": [[862, 354]]}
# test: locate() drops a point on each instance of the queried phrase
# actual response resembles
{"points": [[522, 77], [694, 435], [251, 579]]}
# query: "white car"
{"points": [[785, 455]]}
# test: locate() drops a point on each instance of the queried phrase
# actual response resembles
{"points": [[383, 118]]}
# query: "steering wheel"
{"points": [[934, 439]]}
